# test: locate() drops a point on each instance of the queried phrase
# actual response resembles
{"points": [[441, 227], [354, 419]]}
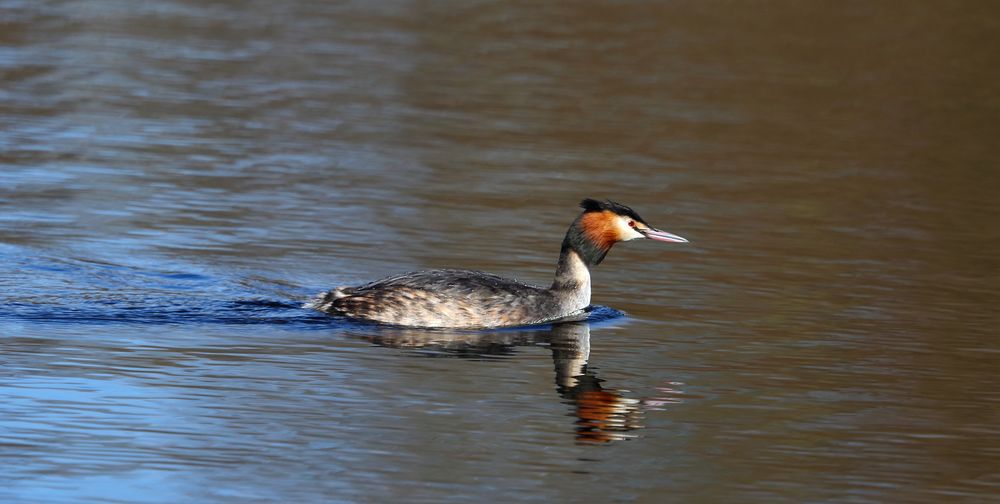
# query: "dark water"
{"points": [[175, 177]]}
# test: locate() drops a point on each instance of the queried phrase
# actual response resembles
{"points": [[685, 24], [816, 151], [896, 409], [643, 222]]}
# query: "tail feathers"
{"points": [[324, 300]]}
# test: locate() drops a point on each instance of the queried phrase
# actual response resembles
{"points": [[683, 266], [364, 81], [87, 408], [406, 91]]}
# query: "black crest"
{"points": [[592, 205]]}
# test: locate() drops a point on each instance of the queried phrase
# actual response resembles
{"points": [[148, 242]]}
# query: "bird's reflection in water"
{"points": [[602, 415]]}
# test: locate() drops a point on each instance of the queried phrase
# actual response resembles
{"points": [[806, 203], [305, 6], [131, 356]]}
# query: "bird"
{"points": [[464, 299]]}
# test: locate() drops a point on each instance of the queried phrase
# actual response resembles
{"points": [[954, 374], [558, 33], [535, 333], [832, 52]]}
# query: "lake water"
{"points": [[176, 177]]}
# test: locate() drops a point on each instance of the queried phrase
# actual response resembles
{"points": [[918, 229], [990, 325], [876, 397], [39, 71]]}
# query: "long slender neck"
{"points": [[578, 254], [572, 273]]}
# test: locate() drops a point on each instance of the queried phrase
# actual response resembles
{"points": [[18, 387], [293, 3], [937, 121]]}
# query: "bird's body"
{"points": [[473, 299], [445, 298]]}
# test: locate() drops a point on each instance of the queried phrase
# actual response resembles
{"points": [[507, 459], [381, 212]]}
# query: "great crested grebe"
{"points": [[473, 299]]}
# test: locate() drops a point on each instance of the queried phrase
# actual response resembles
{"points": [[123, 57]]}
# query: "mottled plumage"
{"points": [[442, 298], [473, 299]]}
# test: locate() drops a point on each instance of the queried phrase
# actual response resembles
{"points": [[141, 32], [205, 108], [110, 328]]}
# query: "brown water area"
{"points": [[177, 177]]}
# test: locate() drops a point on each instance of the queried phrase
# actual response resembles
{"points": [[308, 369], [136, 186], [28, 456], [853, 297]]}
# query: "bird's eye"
{"points": [[631, 223]]}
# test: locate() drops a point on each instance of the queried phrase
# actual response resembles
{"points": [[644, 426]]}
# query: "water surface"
{"points": [[176, 177]]}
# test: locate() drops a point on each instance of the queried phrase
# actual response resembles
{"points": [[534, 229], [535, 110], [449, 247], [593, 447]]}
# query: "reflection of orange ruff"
{"points": [[605, 416]]}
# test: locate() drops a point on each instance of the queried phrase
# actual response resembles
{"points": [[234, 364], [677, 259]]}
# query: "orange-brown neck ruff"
{"points": [[591, 236], [599, 228]]}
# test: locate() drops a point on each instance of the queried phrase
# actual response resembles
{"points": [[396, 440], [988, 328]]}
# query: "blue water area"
{"points": [[119, 378], [68, 290]]}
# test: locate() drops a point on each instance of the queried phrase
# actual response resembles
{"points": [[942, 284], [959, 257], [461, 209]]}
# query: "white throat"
{"points": [[573, 281]]}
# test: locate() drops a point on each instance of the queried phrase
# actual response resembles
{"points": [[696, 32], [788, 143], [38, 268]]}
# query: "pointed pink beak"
{"points": [[656, 234]]}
